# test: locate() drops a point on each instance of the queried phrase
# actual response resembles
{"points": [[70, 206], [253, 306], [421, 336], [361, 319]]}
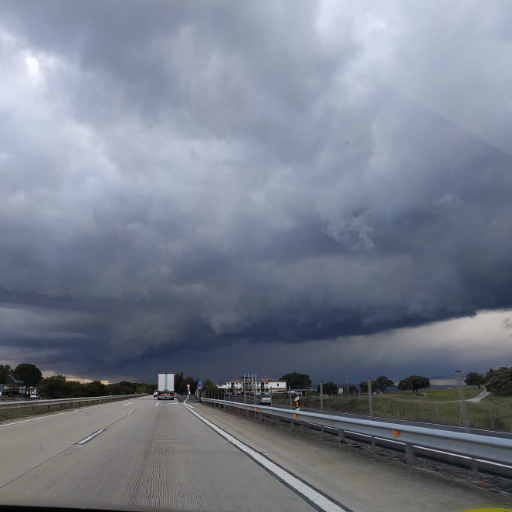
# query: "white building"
{"points": [[264, 385]]}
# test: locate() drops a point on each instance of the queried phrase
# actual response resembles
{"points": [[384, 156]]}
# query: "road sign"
{"points": [[200, 384]]}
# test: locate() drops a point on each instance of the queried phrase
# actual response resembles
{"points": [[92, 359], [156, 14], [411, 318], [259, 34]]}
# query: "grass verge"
{"points": [[438, 406]]}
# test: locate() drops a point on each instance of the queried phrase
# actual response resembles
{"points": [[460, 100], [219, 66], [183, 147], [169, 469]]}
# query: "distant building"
{"points": [[264, 385], [11, 387]]}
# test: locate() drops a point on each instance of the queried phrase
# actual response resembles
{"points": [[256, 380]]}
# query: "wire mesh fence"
{"points": [[484, 415]]}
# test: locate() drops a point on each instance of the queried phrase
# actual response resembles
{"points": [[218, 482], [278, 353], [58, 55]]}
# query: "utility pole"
{"points": [[321, 396]]}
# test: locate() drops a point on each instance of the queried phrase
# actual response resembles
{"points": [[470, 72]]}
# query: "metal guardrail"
{"points": [[60, 401], [476, 447]]}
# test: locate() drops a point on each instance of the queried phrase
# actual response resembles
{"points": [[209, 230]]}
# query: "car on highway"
{"points": [[265, 399], [34, 396], [155, 393]]}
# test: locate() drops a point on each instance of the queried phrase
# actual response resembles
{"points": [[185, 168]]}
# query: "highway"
{"points": [[149, 453]]}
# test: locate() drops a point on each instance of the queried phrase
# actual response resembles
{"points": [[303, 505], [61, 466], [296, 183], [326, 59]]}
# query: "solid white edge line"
{"points": [[124, 405], [93, 435], [129, 413], [57, 414], [37, 419], [305, 490]]}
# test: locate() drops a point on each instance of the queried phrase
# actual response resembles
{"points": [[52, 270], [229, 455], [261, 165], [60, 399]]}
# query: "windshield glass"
{"points": [[256, 255]]}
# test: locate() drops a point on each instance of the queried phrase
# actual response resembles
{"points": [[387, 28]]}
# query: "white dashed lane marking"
{"points": [[92, 436]]}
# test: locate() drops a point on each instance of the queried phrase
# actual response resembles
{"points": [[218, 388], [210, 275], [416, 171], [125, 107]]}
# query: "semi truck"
{"points": [[165, 386]]}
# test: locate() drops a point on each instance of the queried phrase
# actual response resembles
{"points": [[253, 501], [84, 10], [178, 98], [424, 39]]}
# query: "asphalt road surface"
{"points": [[149, 453]]}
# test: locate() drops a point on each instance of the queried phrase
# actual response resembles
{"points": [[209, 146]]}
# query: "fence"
{"points": [[478, 451]]}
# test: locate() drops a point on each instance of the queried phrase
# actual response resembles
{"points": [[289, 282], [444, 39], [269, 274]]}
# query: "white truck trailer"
{"points": [[165, 386]]}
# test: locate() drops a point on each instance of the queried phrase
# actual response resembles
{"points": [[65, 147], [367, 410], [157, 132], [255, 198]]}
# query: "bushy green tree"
{"points": [[414, 383], [129, 388], [29, 374], [180, 384], [94, 388], [499, 381], [383, 382], [114, 389], [363, 386], [53, 387], [296, 380], [5, 370], [151, 388], [74, 389], [329, 388], [474, 379], [209, 386]]}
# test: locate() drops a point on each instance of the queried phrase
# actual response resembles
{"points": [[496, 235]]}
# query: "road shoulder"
{"points": [[354, 478]]}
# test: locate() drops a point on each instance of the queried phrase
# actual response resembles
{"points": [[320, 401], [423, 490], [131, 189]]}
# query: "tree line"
{"points": [[58, 386], [302, 381], [496, 381]]}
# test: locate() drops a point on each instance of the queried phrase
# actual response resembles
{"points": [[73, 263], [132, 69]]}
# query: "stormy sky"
{"points": [[224, 187]]}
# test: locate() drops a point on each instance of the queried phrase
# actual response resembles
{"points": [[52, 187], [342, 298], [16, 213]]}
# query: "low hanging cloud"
{"points": [[177, 177]]}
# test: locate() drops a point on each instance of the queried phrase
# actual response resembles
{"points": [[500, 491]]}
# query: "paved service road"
{"points": [[150, 453]]}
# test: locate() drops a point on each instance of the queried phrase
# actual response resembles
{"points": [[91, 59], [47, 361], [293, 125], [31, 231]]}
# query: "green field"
{"points": [[436, 395], [433, 406]]}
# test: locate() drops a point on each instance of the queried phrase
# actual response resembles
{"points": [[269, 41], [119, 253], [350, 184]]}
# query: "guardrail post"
{"points": [[10, 413], [32, 410], [409, 453], [302, 427], [278, 421], [61, 407], [48, 408], [341, 435]]}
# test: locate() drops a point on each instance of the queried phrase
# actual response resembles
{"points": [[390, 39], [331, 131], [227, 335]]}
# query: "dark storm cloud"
{"points": [[186, 176]]}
